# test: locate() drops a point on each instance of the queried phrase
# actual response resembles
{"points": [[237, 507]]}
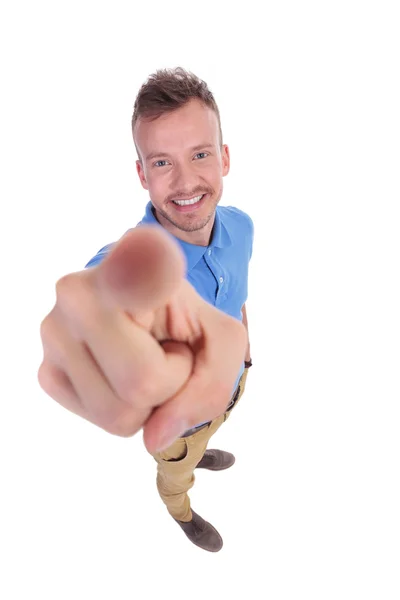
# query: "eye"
{"points": [[157, 164], [202, 154]]}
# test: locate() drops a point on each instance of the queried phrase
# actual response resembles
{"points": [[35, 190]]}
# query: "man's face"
{"points": [[182, 159]]}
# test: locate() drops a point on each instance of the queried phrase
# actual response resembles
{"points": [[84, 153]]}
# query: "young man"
{"points": [[181, 162]]}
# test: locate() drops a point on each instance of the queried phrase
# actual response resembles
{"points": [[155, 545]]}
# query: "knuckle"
{"points": [[124, 424], [106, 417], [118, 430], [140, 386], [48, 381], [122, 410], [69, 295], [142, 392], [69, 291], [46, 327], [121, 428], [65, 286], [75, 300], [43, 377]]}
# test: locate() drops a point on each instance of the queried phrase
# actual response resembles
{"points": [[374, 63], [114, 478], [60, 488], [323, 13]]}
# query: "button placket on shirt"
{"points": [[220, 294]]}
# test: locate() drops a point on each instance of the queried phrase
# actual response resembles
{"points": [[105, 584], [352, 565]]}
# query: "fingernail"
{"points": [[172, 432]]}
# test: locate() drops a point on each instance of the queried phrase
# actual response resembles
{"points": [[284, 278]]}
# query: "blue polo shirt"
{"points": [[219, 271]]}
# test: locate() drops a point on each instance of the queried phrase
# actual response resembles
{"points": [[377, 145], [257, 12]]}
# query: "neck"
{"points": [[201, 237]]}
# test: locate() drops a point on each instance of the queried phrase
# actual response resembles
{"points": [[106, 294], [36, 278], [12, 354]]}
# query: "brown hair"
{"points": [[169, 89]]}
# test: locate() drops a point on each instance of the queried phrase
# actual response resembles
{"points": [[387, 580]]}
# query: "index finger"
{"points": [[141, 272]]}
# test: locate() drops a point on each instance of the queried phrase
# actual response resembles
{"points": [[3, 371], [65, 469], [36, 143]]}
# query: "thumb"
{"points": [[142, 271]]}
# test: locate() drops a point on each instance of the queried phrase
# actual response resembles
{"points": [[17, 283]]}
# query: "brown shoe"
{"points": [[202, 533], [216, 460]]}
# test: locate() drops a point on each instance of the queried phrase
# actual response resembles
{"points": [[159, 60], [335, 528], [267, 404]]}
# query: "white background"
{"points": [[309, 99]]}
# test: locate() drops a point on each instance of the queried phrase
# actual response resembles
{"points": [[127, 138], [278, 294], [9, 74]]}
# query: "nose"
{"points": [[184, 178]]}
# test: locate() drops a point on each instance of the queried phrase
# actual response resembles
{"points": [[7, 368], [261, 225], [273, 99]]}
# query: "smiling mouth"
{"points": [[190, 201]]}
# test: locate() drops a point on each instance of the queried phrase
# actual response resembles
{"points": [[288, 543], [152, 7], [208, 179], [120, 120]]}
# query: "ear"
{"points": [[226, 160], [140, 172]]}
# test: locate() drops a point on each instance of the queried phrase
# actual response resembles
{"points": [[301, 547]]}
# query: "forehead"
{"points": [[183, 128]]}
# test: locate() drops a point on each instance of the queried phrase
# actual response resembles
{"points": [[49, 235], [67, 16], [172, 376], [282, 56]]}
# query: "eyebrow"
{"points": [[157, 154]]}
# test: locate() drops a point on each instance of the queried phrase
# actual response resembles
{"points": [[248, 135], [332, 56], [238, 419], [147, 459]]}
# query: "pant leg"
{"points": [[176, 464], [175, 469]]}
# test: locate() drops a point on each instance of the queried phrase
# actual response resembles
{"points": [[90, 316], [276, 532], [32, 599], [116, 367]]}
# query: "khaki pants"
{"points": [[176, 464]]}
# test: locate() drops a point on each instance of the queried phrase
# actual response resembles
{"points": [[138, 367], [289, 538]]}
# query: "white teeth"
{"points": [[186, 202]]}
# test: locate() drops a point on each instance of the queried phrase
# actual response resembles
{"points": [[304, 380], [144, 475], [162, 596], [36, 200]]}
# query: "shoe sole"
{"points": [[219, 469], [203, 548]]}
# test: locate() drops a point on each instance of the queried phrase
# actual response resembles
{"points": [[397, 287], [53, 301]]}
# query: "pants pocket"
{"points": [[175, 453]]}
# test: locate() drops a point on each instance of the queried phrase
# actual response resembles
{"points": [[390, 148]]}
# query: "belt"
{"points": [[234, 399], [200, 427]]}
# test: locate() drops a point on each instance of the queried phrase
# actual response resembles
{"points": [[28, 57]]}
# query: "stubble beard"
{"points": [[193, 223]]}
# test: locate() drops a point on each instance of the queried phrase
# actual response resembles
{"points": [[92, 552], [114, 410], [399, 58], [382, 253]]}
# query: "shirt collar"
{"points": [[193, 253]]}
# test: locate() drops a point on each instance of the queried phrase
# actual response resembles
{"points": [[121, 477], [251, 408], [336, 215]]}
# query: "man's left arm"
{"points": [[247, 358]]}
